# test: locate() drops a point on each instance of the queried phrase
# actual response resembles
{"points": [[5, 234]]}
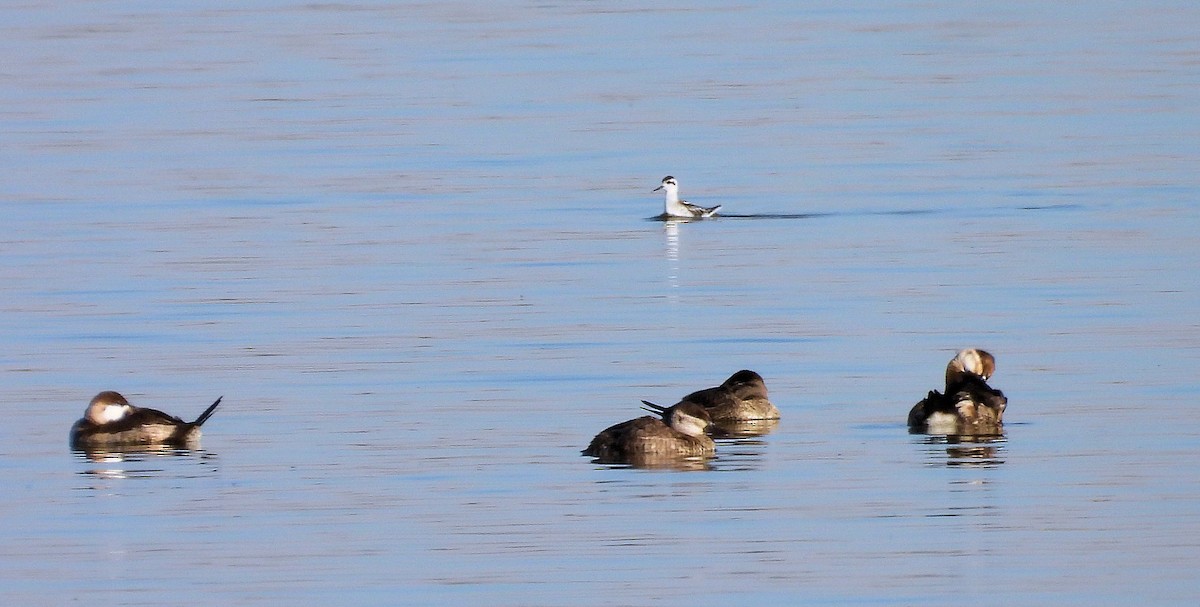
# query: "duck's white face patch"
{"points": [[689, 425], [113, 412]]}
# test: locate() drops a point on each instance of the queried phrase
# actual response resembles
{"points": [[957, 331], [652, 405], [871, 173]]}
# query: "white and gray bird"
{"points": [[674, 207]]}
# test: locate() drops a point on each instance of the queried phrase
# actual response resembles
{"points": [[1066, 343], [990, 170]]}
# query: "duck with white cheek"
{"points": [[110, 421], [679, 432]]}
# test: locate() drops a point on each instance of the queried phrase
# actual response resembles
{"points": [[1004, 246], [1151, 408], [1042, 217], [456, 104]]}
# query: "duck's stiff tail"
{"points": [[653, 408], [207, 413]]}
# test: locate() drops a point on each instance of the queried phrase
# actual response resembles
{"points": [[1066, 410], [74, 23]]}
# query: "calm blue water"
{"points": [[409, 245]]}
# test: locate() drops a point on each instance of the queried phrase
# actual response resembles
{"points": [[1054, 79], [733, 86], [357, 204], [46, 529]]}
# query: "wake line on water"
{"points": [[824, 214]]}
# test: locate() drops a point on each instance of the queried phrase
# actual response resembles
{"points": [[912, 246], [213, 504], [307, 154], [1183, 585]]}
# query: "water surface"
{"points": [[409, 245]]}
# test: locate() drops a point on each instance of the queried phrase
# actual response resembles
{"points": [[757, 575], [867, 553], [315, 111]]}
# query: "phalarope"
{"points": [[110, 421], [969, 405], [674, 207]]}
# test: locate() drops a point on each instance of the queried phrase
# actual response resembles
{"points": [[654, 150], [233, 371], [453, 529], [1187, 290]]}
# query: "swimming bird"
{"points": [[741, 398], [674, 207], [678, 433], [969, 405], [110, 421]]}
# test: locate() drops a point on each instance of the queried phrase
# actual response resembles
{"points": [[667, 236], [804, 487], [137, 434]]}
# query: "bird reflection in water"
{"points": [[671, 228], [659, 462], [967, 450], [134, 461], [745, 428]]}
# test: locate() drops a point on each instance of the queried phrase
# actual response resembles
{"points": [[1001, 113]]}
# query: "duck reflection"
{"points": [[671, 229], [135, 461], [658, 462], [740, 453], [747, 428], [966, 450]]}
